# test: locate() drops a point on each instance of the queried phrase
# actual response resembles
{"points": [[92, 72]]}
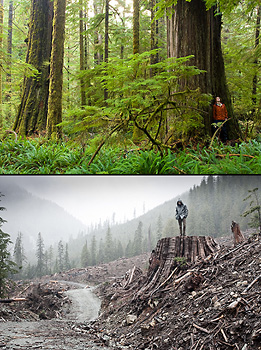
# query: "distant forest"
{"points": [[212, 206]]}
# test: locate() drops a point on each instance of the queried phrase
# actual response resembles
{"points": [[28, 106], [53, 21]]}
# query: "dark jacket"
{"points": [[181, 210]]}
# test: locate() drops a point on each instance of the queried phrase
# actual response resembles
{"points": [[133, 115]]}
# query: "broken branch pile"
{"points": [[214, 303], [39, 301]]}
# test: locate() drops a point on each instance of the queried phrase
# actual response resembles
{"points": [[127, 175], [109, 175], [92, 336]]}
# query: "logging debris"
{"points": [[36, 301], [213, 303]]}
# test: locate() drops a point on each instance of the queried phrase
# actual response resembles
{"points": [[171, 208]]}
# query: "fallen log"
{"points": [[8, 301]]}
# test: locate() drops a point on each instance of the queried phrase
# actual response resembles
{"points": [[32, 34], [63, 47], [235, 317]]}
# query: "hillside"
{"points": [[30, 215]]}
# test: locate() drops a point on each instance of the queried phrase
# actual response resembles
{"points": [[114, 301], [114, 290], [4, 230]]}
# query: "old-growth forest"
{"points": [[127, 86]]}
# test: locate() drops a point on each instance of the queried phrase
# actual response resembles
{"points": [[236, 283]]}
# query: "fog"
{"points": [[94, 198]]}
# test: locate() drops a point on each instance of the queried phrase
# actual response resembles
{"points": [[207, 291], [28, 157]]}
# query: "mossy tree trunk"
{"points": [[1, 70], [193, 30], [32, 112], [82, 53], [54, 115], [106, 41], [9, 49], [136, 26], [153, 34]]}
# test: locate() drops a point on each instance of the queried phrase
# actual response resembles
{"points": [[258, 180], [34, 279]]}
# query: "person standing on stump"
{"points": [[181, 216]]}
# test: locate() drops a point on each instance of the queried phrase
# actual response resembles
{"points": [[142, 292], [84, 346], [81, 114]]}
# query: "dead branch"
{"points": [[8, 301], [251, 284], [201, 329]]}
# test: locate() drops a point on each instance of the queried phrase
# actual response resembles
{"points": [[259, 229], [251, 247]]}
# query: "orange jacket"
{"points": [[219, 112]]}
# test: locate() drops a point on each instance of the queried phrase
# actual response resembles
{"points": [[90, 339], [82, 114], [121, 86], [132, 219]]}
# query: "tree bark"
{"points": [[194, 31], [174, 251], [82, 54], [1, 70], [255, 78], [153, 35], [54, 115], [136, 26], [106, 41], [32, 112], [98, 57], [9, 48]]}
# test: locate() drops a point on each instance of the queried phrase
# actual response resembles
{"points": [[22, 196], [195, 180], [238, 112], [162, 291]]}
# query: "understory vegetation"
{"points": [[35, 156]]}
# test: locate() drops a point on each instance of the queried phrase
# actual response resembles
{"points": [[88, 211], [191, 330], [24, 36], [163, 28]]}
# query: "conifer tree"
{"points": [[101, 254], [32, 112], [85, 256], [67, 263], [93, 251], [18, 255], [40, 255], [159, 228], [60, 256], [108, 249], [54, 114], [6, 265], [138, 238]]}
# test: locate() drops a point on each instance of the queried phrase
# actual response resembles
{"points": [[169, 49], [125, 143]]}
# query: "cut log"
{"points": [[173, 251]]}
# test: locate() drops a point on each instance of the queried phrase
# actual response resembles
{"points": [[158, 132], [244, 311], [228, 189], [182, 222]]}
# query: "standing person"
{"points": [[181, 215], [219, 116]]}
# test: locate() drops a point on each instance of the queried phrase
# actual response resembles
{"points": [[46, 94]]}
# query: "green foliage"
{"points": [[139, 100], [36, 157], [180, 261], [7, 266], [241, 62]]}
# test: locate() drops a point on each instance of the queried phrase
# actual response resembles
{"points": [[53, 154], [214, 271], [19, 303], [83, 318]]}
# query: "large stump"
{"points": [[171, 250]]}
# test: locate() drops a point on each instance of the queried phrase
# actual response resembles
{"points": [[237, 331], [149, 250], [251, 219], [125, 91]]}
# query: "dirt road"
{"points": [[56, 334]]}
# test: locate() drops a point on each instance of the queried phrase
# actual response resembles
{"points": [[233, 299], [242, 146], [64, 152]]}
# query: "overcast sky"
{"points": [[90, 198]]}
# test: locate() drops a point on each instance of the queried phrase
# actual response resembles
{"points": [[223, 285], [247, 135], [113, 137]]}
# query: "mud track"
{"points": [[57, 334]]}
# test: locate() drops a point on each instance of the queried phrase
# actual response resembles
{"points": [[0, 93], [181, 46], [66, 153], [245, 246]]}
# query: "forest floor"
{"points": [[219, 310]]}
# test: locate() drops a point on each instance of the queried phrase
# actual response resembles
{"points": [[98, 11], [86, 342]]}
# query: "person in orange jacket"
{"points": [[219, 116]]}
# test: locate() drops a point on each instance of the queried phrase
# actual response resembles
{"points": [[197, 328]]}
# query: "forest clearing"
{"points": [[211, 303], [129, 87]]}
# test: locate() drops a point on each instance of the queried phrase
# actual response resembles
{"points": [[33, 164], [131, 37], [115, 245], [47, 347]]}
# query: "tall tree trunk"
{"points": [[54, 115], [255, 79], [136, 26], [9, 48], [32, 112], [82, 54], [1, 71], [98, 57], [153, 34], [194, 31], [106, 40]]}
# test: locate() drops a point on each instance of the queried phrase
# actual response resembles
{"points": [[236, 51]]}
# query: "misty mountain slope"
{"points": [[30, 215]]}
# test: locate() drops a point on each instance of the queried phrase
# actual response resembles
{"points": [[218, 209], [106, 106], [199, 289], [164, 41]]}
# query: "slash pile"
{"points": [[42, 301], [212, 304]]}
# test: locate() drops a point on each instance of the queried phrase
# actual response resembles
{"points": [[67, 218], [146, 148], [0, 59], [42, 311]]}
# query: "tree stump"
{"points": [[171, 250], [238, 235]]}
